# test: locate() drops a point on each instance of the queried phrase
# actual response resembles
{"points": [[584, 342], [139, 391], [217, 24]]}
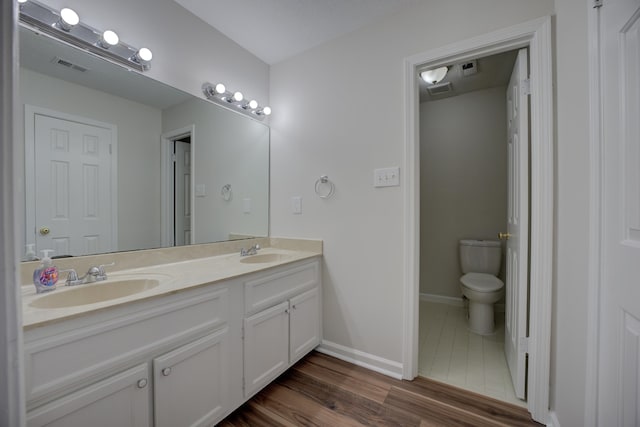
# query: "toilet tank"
{"points": [[480, 256]]}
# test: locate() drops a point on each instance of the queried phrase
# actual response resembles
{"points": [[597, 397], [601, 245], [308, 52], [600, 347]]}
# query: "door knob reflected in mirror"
{"points": [[44, 231], [504, 236]]}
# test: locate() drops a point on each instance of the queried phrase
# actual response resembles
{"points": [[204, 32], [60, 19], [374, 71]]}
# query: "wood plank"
{"points": [[358, 384], [353, 405]]}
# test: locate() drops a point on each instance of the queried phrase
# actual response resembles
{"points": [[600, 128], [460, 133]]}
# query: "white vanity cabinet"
{"points": [[283, 322], [181, 348], [187, 358]]}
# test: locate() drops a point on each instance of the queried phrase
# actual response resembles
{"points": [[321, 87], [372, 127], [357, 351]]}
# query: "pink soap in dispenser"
{"points": [[45, 277]]}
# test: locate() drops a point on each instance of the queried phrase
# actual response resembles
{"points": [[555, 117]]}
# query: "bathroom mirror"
{"points": [[116, 161]]}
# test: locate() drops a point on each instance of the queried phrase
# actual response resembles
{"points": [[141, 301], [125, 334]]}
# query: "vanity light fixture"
{"points": [[109, 38], [434, 76], [68, 19], [219, 94], [66, 26]]}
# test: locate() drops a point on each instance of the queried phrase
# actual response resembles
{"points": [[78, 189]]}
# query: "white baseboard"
{"points": [[453, 301], [360, 358], [553, 420], [440, 299]]}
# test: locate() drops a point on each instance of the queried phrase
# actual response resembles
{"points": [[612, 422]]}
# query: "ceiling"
{"points": [[274, 30], [492, 71]]}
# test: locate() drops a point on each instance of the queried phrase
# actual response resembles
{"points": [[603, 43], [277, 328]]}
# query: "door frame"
{"points": [[536, 35], [166, 179], [30, 112]]}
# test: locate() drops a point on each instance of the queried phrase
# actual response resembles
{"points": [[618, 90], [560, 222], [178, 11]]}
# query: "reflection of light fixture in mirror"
{"points": [[66, 27], [434, 76], [109, 38], [219, 94], [68, 19]]}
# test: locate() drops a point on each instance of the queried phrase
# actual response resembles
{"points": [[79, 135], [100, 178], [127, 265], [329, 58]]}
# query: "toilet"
{"points": [[480, 263]]}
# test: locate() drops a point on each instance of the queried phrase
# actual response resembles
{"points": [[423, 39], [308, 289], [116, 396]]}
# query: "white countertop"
{"points": [[173, 277]]}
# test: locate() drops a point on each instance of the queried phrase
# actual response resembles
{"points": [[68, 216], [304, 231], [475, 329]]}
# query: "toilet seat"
{"points": [[481, 282]]}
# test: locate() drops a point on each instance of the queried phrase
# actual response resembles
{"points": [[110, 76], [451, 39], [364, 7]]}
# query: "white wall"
{"points": [[229, 149], [186, 51], [139, 127], [463, 181], [338, 110]]}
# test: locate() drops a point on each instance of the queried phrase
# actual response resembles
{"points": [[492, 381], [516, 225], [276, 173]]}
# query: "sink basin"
{"points": [[264, 258], [95, 292]]}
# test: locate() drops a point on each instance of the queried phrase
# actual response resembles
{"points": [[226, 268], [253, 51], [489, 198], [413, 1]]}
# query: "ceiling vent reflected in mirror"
{"points": [[63, 62]]}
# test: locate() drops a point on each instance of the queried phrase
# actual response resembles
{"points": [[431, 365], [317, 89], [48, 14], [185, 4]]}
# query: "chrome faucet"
{"points": [[251, 251], [94, 274]]}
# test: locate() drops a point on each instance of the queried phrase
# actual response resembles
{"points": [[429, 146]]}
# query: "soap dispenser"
{"points": [[45, 276], [30, 252]]}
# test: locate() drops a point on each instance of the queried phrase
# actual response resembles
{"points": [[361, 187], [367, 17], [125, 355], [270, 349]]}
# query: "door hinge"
{"points": [[526, 86], [110, 149], [173, 158], [597, 4], [524, 345]]}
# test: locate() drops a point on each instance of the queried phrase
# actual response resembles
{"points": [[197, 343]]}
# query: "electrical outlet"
{"points": [[296, 205]]}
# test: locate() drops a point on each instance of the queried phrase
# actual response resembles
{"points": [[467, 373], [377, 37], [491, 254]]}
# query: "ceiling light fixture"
{"points": [[219, 94], [66, 26], [434, 76]]}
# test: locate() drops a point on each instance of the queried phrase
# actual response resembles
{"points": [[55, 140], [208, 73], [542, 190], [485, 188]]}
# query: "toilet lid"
{"points": [[481, 282]]}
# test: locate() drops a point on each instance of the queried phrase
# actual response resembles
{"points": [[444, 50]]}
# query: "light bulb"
{"points": [[434, 76], [109, 38], [68, 18], [253, 104], [144, 54], [266, 111], [220, 88], [22, 1], [238, 96]]}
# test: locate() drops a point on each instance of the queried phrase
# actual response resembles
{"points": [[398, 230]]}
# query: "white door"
{"points": [[518, 224], [72, 187], [182, 193], [619, 358]]}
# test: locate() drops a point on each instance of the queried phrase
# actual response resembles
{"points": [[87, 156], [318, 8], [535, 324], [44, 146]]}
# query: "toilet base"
{"points": [[481, 318]]}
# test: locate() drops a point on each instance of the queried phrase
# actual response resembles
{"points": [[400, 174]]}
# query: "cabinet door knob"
{"points": [[142, 383], [166, 372], [293, 307], [286, 310]]}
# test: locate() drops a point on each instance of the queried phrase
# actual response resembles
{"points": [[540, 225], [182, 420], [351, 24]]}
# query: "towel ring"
{"points": [[226, 192], [324, 179]]}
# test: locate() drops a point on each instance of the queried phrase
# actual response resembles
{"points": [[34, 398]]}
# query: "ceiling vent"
{"points": [[61, 61], [439, 89]]}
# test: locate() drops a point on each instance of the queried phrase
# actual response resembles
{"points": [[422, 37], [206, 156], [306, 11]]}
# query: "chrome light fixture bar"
{"points": [[219, 94], [66, 26]]}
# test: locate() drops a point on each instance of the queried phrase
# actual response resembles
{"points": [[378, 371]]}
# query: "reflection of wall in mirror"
{"points": [[139, 128], [229, 149]]}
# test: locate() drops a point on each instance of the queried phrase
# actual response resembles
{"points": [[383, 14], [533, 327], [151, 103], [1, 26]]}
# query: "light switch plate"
{"points": [[296, 205], [386, 177], [246, 206], [201, 190]]}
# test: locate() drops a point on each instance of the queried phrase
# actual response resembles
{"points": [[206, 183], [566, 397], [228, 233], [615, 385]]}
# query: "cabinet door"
{"points": [[266, 344], [304, 323], [121, 400], [191, 383]]}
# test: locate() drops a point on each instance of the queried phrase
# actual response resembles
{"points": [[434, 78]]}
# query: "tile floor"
{"points": [[451, 354]]}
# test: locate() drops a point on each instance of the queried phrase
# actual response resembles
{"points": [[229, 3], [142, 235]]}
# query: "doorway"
{"points": [[177, 185], [535, 35], [470, 173]]}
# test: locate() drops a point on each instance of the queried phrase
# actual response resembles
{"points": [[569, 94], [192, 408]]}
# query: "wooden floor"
{"points": [[324, 391]]}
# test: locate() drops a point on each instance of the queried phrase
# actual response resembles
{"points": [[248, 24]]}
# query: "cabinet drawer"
{"points": [[272, 289], [68, 360]]}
